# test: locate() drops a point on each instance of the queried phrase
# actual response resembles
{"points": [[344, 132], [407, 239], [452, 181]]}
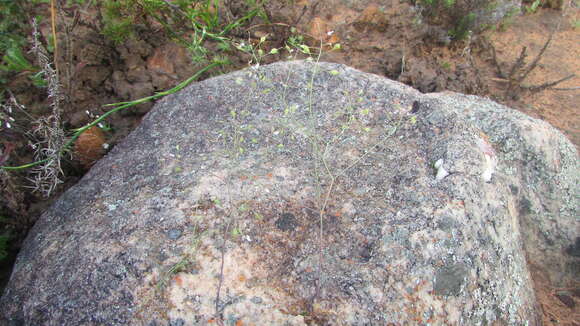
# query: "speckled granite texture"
{"points": [[308, 194]]}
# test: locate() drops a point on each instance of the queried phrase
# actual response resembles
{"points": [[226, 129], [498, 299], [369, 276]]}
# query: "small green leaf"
{"points": [[15, 60], [334, 72], [243, 207], [274, 51]]}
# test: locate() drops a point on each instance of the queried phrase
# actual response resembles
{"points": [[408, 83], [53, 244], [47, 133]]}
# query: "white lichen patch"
{"points": [[490, 159], [248, 181], [441, 171]]}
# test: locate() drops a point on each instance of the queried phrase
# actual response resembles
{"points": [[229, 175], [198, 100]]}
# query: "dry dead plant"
{"points": [[48, 135], [515, 76]]}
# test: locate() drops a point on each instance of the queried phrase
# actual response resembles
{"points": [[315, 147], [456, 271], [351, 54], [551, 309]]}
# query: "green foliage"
{"points": [[14, 60], [463, 27], [4, 239], [533, 7], [448, 3], [457, 17], [507, 20], [11, 20], [15, 16], [446, 65], [190, 22], [14, 27], [118, 24]]}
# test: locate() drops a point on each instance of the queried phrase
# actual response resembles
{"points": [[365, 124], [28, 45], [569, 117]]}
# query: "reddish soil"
{"points": [[376, 38], [559, 107]]}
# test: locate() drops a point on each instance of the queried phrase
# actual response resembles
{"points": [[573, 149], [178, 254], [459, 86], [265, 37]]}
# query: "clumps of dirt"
{"points": [[560, 306], [380, 39], [372, 18], [109, 73], [90, 146], [440, 76]]}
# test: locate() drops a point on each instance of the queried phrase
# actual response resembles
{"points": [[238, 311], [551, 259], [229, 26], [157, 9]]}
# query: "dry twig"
{"points": [[520, 71]]}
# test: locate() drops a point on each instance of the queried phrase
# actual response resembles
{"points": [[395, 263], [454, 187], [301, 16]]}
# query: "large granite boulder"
{"points": [[304, 193]]}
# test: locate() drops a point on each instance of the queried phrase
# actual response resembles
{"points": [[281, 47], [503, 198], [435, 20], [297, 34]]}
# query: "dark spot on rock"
{"points": [[15, 322], [549, 241], [574, 249], [366, 252], [450, 279], [514, 189], [177, 322], [566, 299], [416, 107], [286, 222], [174, 234], [525, 206]]}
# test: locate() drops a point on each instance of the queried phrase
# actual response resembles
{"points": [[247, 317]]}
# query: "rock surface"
{"points": [[302, 193]]}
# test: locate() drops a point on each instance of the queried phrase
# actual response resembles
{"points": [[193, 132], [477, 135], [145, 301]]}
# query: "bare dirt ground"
{"points": [[559, 107], [377, 37]]}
